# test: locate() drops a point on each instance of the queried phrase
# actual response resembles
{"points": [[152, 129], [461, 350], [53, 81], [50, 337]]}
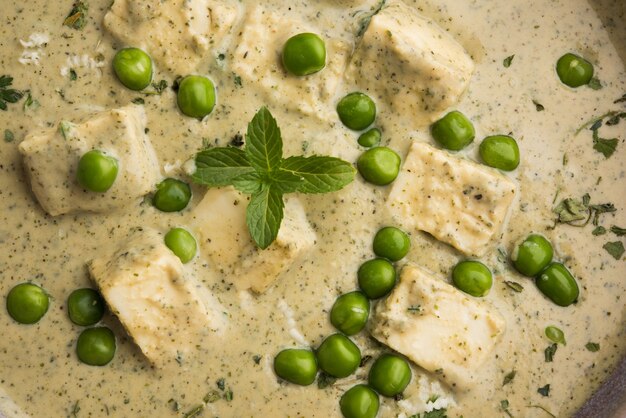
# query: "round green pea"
{"points": [[391, 243], [172, 195], [558, 284], [85, 307], [96, 171], [133, 67], [338, 356], [27, 303], [357, 111], [360, 401], [304, 54], [96, 346], [196, 96], [296, 366], [472, 277], [500, 151], [182, 243], [389, 375], [370, 138], [350, 312], [532, 255], [573, 70], [454, 131], [379, 166], [376, 277]]}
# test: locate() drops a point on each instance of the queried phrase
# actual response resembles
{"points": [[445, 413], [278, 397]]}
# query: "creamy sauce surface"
{"points": [[40, 374]]}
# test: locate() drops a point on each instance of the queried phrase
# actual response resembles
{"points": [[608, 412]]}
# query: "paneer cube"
{"points": [[165, 312], [220, 223], [51, 157], [437, 326], [409, 64], [258, 60], [176, 33], [458, 201]]}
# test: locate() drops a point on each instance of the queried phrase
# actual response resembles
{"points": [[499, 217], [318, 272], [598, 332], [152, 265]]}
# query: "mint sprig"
{"points": [[260, 170]]}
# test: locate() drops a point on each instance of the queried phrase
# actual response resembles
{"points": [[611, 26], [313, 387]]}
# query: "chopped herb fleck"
{"points": [[8, 95], [257, 359], [508, 60], [549, 352], [538, 106], [365, 360], [435, 413], [8, 136], [514, 286], [237, 80], [599, 230], [505, 407], [508, 378], [414, 308], [228, 395], [221, 383], [30, 103], [545, 390], [212, 396], [77, 18], [75, 409], [620, 232], [595, 84], [194, 412], [175, 405], [615, 248], [139, 101], [73, 75], [236, 141], [593, 347], [432, 399], [324, 380], [621, 99]]}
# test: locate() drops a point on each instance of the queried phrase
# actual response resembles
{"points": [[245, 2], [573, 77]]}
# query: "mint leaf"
{"points": [[248, 183], [569, 210], [616, 249], [603, 145], [620, 232], [593, 347], [264, 215], [319, 174], [218, 167], [285, 181], [264, 146]]}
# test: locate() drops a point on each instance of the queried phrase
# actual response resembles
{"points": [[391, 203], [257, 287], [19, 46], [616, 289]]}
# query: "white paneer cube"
{"points": [[176, 33], [165, 312], [458, 201], [437, 326], [406, 62], [220, 223], [258, 60], [51, 157]]}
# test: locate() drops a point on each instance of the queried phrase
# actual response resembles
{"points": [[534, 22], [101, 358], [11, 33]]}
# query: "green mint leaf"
{"points": [[615, 248], [217, 167], [264, 145], [285, 181], [8, 95], [544, 391], [593, 347], [620, 232], [549, 352], [77, 18], [264, 215], [508, 60], [319, 174], [599, 230], [248, 183], [595, 84], [605, 146], [555, 335]]}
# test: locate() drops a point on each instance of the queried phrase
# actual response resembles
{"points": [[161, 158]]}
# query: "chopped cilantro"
{"points": [[8, 95]]}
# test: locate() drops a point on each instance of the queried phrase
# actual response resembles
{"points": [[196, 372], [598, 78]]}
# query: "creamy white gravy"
{"points": [[39, 370]]}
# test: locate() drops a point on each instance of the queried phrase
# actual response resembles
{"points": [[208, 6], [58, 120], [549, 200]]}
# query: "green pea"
{"points": [[360, 401], [454, 131], [500, 151], [196, 96], [338, 356], [27, 303], [558, 284], [96, 346], [85, 307], [391, 243], [96, 171], [349, 313], [370, 138], [573, 70], [172, 195], [133, 67], [182, 243], [304, 54], [376, 278], [532, 255], [296, 366], [357, 111], [379, 166], [389, 375], [472, 277]]}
